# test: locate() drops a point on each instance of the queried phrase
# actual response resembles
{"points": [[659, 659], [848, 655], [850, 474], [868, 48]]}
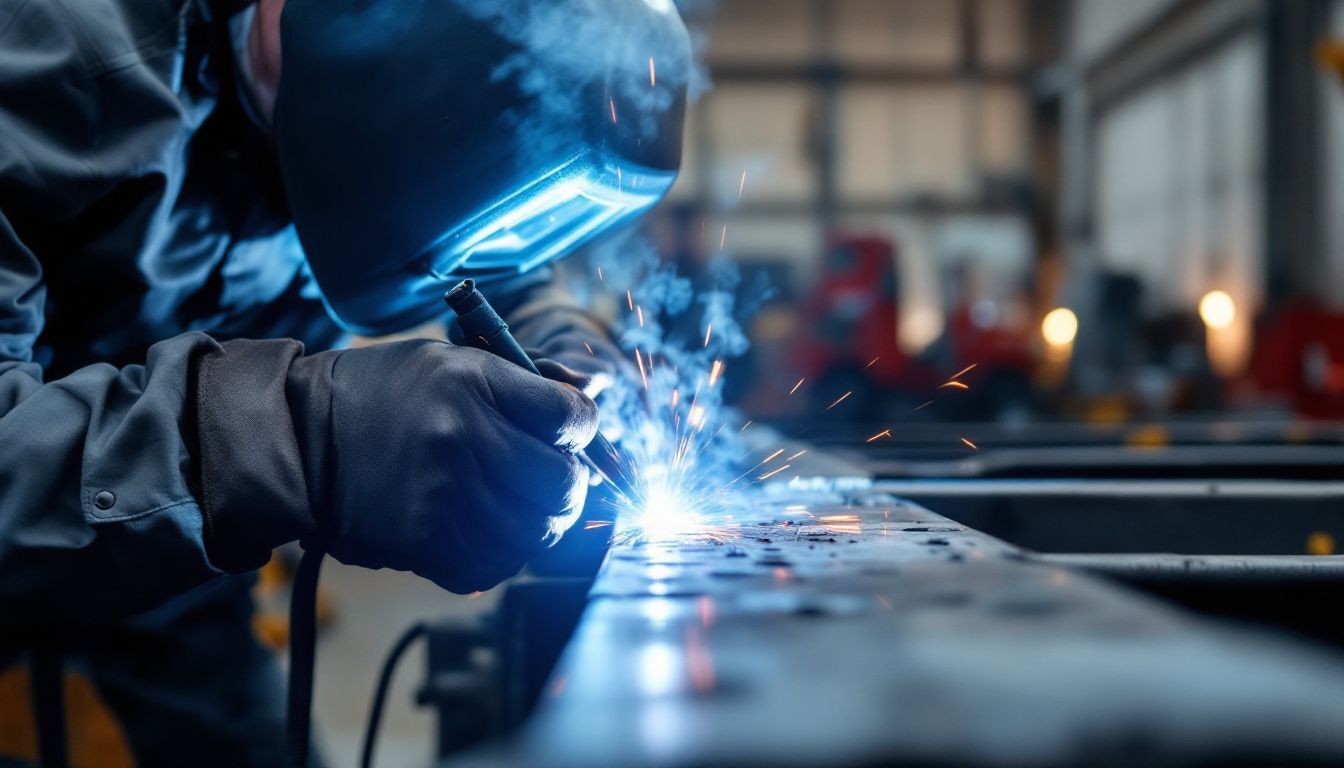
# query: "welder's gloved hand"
{"points": [[595, 359], [442, 460]]}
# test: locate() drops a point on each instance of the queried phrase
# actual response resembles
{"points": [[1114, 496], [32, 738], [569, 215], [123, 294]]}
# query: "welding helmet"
{"points": [[425, 141]]}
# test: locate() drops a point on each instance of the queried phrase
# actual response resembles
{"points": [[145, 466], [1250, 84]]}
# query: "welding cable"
{"points": [[302, 657], [414, 632]]}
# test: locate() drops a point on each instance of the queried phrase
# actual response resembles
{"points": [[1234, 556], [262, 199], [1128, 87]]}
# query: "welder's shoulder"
{"points": [[87, 38], [72, 73]]}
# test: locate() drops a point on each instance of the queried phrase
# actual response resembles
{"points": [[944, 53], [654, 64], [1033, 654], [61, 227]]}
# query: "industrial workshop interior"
{"points": [[671, 383]]}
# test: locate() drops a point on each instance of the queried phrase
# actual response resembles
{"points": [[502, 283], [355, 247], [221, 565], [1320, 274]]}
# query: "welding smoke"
{"points": [[565, 48]]}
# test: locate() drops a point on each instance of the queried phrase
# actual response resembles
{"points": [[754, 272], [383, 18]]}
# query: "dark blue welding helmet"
{"points": [[425, 141]]}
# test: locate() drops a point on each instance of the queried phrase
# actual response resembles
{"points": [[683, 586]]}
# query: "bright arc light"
{"points": [[1059, 327], [663, 512], [1217, 309]]}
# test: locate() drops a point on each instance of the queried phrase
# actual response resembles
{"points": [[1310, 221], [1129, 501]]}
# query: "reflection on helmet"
{"points": [[422, 141]]}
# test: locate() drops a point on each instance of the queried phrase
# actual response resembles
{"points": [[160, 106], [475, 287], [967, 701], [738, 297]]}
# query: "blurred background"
{"points": [[1117, 211]]}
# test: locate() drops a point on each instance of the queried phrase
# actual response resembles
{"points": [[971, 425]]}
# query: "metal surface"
{"points": [[1227, 517], [879, 632]]}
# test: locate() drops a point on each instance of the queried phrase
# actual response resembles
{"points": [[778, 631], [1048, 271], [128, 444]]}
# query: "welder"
{"points": [[200, 200]]}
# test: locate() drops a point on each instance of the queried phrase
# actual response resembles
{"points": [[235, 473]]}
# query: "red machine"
{"points": [[1299, 355], [851, 338]]}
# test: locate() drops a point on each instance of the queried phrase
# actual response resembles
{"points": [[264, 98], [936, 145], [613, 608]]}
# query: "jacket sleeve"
{"points": [[100, 475]]}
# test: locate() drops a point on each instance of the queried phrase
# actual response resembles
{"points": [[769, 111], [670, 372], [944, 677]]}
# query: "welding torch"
{"points": [[480, 322]]}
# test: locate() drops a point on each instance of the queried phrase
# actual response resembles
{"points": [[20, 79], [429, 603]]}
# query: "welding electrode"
{"points": [[486, 330]]}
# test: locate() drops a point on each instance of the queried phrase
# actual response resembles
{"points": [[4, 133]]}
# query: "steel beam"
{"points": [[872, 631]]}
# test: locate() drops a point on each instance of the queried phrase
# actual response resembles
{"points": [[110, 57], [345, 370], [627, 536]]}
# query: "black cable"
{"points": [[384, 682], [48, 698], [302, 657]]}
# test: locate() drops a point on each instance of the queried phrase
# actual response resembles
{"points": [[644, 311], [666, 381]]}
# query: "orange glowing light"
{"points": [[772, 473], [953, 385], [630, 301], [796, 386], [642, 375], [872, 362], [973, 446], [771, 457], [840, 400], [962, 372], [715, 371], [879, 436]]}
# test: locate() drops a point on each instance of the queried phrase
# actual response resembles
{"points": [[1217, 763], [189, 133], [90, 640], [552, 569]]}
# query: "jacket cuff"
{"points": [[254, 496]]}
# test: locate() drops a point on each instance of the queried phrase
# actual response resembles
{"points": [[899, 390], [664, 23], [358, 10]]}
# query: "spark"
{"points": [[744, 426], [873, 362], [839, 518], [708, 331], [973, 446], [879, 436], [963, 372], [630, 301], [723, 237], [600, 278], [589, 348], [771, 457], [840, 400], [922, 407], [475, 595], [715, 372], [484, 340], [594, 524], [954, 385], [619, 182], [697, 416], [612, 103], [653, 75], [676, 397], [796, 455], [642, 375], [741, 185], [640, 310], [796, 386], [772, 473]]}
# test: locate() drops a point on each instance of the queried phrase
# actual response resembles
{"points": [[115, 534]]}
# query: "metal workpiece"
{"points": [[1233, 517], [821, 632], [1231, 569]]}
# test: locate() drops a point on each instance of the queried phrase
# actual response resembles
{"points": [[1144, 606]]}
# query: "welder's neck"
{"points": [[261, 63]]}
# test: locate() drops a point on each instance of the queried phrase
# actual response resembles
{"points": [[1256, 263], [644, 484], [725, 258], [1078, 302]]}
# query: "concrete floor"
{"points": [[372, 608]]}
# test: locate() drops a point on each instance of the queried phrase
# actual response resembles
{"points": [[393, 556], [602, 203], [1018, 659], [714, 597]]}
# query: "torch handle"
{"points": [[486, 330]]}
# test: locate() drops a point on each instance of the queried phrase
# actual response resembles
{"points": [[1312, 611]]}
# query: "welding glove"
{"points": [[419, 455]]}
